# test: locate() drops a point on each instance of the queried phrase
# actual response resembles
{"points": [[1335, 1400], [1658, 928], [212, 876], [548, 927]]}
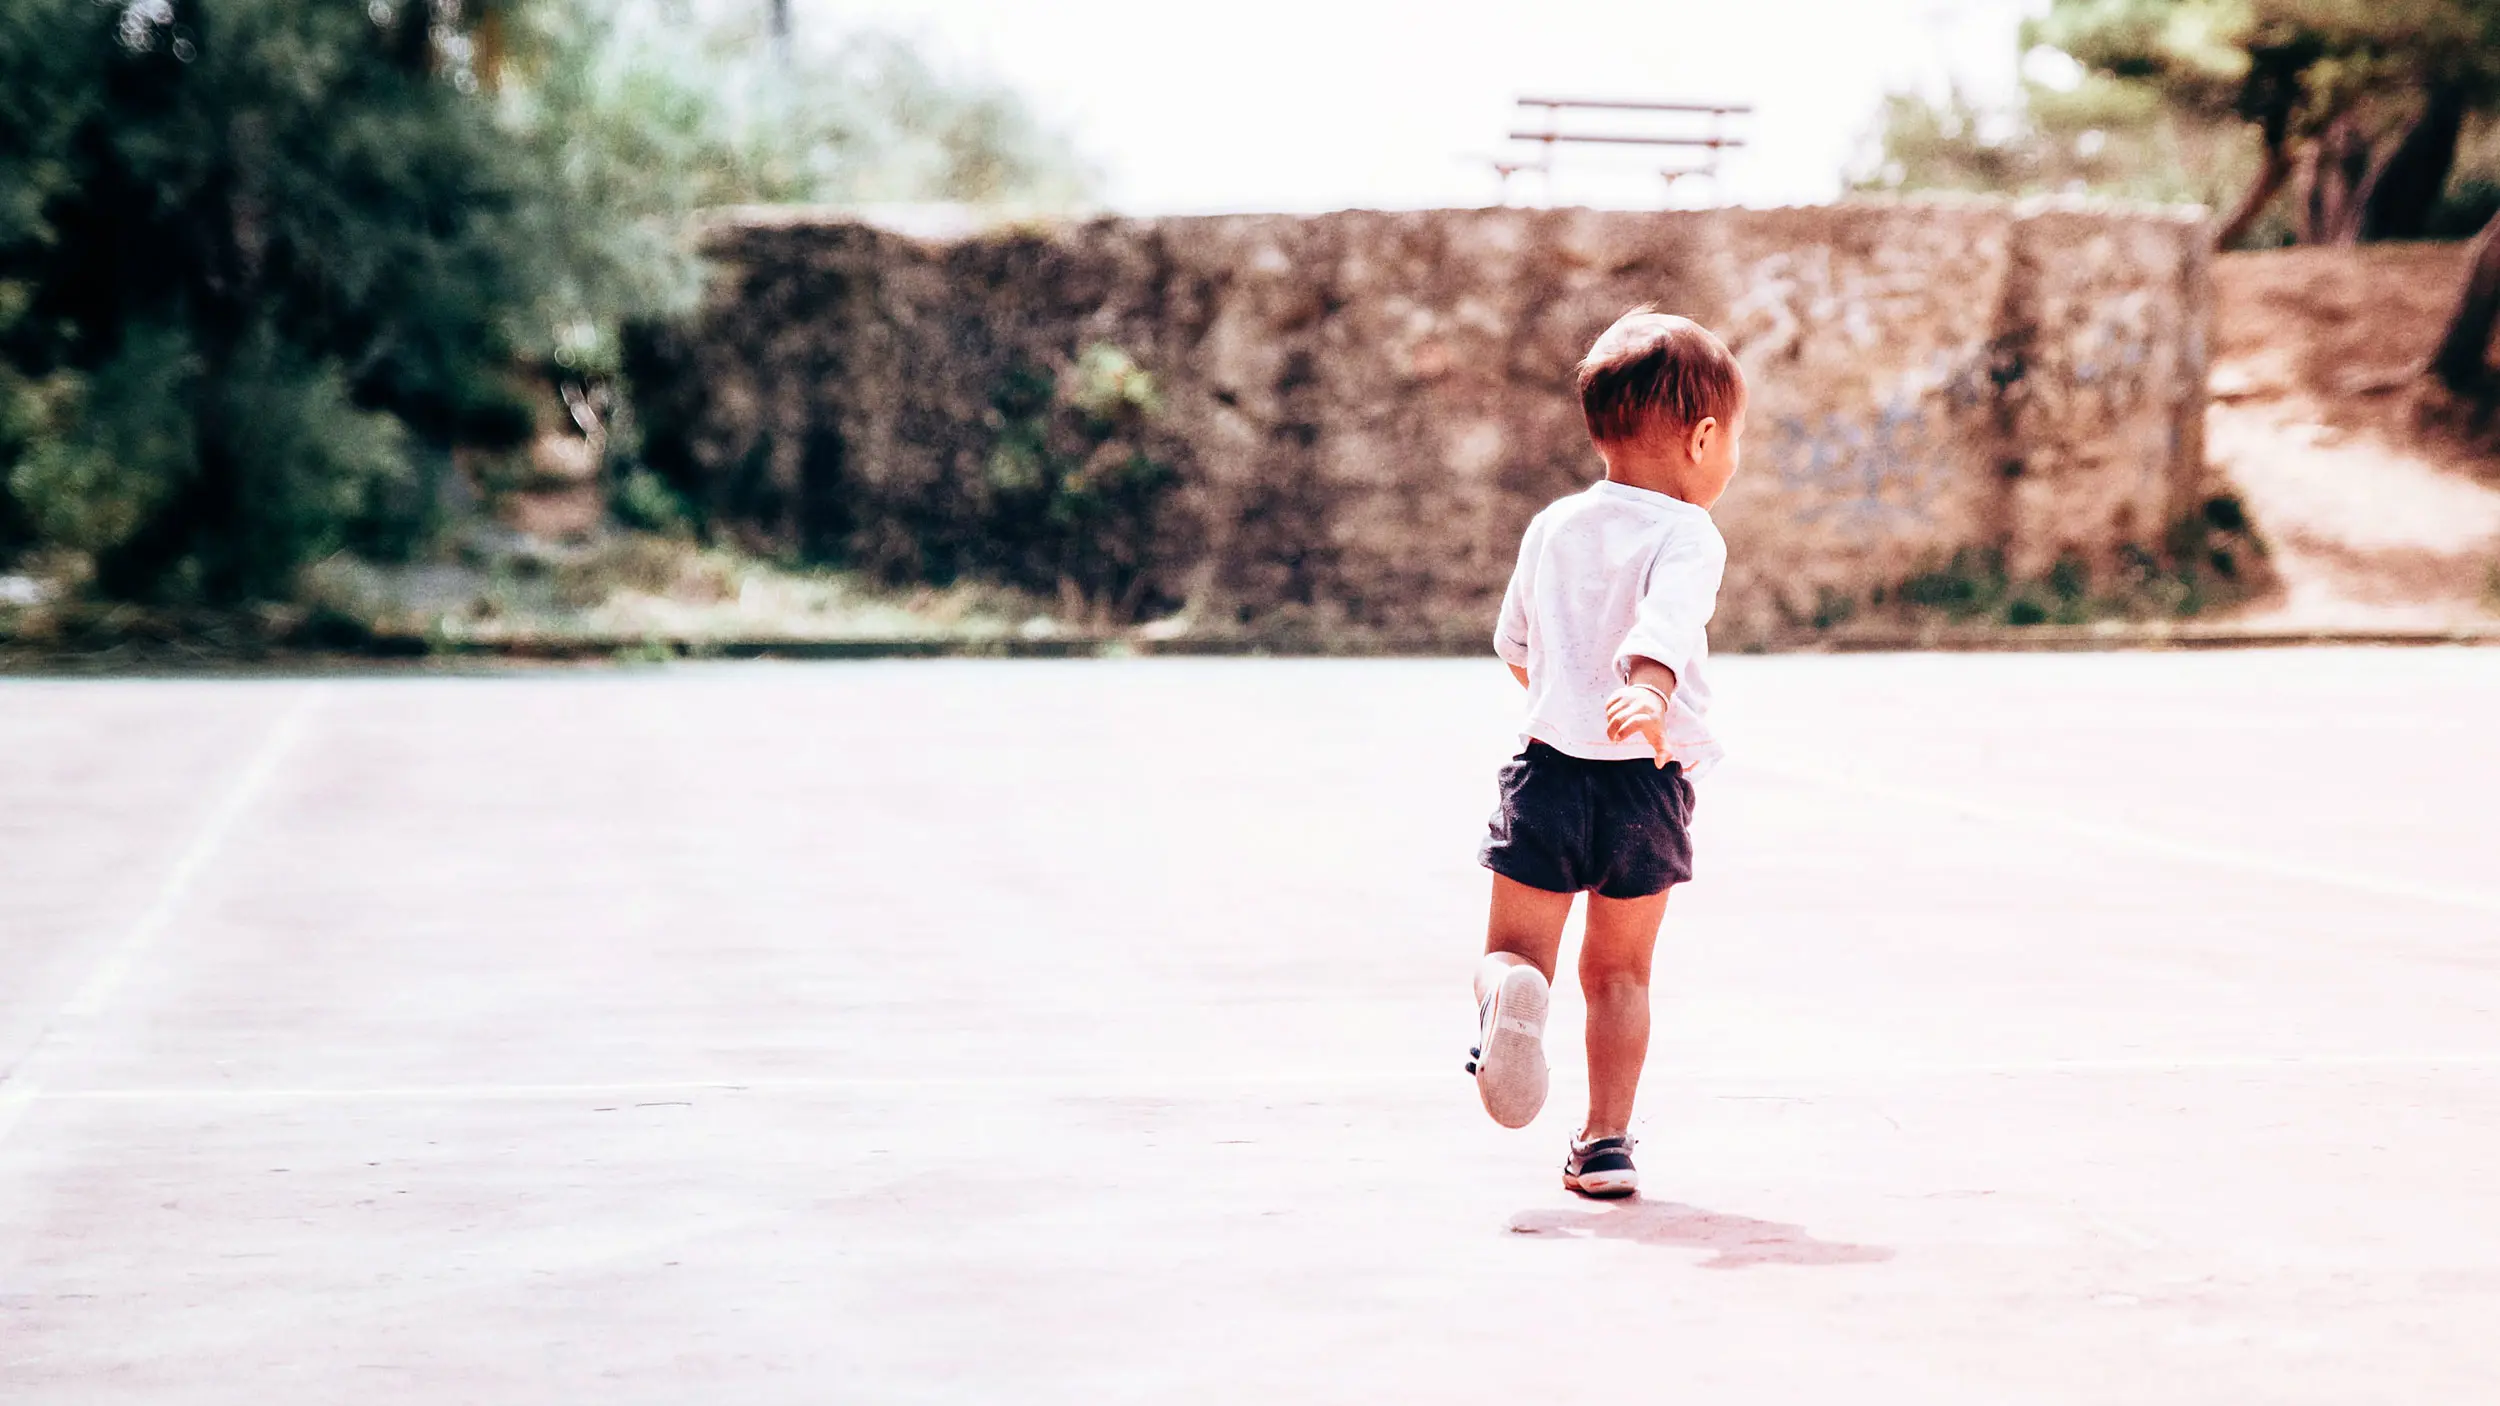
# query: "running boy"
{"points": [[1603, 625]]}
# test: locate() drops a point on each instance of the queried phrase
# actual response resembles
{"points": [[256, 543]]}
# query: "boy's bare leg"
{"points": [[1525, 929], [1514, 990], [1614, 976]]}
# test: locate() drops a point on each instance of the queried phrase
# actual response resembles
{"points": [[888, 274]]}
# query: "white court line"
{"points": [[1092, 1085], [23, 1084], [2146, 841]]}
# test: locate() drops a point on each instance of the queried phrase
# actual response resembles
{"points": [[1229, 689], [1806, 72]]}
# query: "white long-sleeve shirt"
{"points": [[1604, 577]]}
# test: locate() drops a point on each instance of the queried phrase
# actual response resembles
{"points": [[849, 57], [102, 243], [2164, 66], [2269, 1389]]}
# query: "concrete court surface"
{"points": [[2040, 1029]]}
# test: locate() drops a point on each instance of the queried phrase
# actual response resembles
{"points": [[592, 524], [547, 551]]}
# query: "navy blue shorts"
{"points": [[1566, 823]]}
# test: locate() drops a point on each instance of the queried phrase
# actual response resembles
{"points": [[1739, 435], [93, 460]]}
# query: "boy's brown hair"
{"points": [[1654, 371]]}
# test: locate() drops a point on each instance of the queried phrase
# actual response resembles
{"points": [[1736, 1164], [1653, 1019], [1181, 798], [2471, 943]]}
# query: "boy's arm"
{"points": [[1667, 633], [1639, 708], [1510, 632]]}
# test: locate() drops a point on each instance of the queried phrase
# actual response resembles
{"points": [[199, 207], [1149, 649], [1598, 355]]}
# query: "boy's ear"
{"points": [[1698, 442]]}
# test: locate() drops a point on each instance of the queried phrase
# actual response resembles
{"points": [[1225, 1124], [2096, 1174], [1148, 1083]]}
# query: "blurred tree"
{"points": [[273, 259], [264, 263], [2363, 100], [2089, 134], [2357, 105], [2460, 363], [754, 116], [2366, 102]]}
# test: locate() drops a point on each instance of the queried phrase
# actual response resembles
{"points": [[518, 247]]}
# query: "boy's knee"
{"points": [[1600, 983]]}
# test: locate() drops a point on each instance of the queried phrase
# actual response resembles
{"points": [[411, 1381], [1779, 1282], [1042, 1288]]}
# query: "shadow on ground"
{"points": [[1739, 1242]]}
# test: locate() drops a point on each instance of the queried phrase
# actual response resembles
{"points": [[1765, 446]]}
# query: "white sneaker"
{"points": [[1509, 1058], [1601, 1167]]}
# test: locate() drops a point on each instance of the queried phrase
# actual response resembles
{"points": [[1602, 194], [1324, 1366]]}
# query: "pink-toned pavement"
{"points": [[2041, 1029]]}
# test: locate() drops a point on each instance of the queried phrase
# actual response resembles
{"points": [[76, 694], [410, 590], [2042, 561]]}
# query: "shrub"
{"points": [[1071, 495], [275, 244], [264, 263]]}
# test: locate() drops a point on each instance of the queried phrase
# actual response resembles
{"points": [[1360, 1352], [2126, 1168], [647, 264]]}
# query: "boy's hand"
{"points": [[1639, 710]]}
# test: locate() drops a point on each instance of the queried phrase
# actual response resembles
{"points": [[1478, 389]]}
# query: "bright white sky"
{"points": [[1322, 104]]}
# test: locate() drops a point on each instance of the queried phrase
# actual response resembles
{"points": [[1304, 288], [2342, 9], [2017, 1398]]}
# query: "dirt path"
{"points": [[2370, 526], [2364, 533]]}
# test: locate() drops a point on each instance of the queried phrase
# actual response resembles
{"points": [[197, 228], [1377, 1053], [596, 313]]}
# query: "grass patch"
{"points": [[2204, 562], [661, 594]]}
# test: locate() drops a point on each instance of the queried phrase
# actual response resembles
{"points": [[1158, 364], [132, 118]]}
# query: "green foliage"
{"points": [[1071, 493], [325, 473], [1111, 390], [1970, 585], [1833, 608], [2214, 101], [2101, 136], [714, 115], [104, 451], [264, 264], [2307, 60], [2469, 204], [2203, 560], [274, 242], [645, 500]]}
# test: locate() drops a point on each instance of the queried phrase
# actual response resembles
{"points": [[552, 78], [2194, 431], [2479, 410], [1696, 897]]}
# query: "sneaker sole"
{"points": [[1605, 1186], [1511, 1074]]}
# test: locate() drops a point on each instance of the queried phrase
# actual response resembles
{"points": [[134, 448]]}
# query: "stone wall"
{"points": [[1362, 410]]}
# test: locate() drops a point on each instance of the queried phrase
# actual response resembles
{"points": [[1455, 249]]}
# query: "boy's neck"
{"points": [[1640, 466]]}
